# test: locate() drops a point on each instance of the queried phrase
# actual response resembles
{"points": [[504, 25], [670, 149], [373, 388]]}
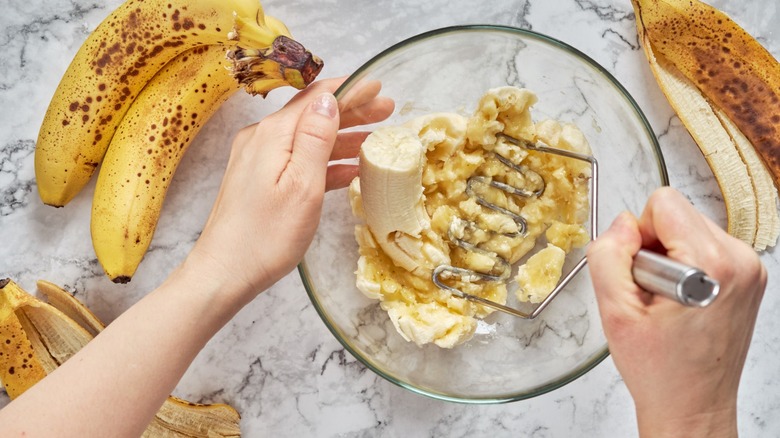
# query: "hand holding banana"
{"points": [[138, 91], [258, 235], [272, 191]]}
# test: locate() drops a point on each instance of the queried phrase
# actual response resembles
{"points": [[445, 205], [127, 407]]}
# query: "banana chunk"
{"points": [[540, 274], [430, 323], [391, 165]]}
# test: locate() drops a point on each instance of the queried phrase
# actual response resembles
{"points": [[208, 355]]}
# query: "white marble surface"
{"points": [[276, 362]]}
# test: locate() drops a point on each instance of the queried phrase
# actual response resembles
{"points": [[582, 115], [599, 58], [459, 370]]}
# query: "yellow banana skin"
{"points": [[145, 151], [725, 88], [19, 364], [726, 63], [117, 60]]}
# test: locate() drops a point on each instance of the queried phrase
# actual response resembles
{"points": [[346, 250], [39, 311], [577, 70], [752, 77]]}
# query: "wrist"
{"points": [[227, 276], [201, 277], [710, 424]]}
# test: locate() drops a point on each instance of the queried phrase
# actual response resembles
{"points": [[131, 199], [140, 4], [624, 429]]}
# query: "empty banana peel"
{"points": [[71, 307], [725, 87], [36, 337], [20, 364]]}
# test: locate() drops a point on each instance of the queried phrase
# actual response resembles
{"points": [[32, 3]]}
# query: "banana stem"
{"points": [[294, 64]]}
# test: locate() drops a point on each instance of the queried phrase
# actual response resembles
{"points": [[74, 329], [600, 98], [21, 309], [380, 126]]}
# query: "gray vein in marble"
{"points": [[569, 403], [633, 46], [521, 17], [610, 14], [340, 357], [90, 268], [566, 332], [15, 190], [586, 108], [16, 37], [512, 75], [254, 378], [216, 396], [602, 403]]}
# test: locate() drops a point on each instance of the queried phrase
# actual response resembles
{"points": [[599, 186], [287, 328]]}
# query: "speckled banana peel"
{"points": [[36, 337], [148, 145], [725, 87], [122, 55]]}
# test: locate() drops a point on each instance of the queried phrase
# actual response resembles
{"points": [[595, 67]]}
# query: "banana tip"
{"points": [[4, 282], [122, 279]]}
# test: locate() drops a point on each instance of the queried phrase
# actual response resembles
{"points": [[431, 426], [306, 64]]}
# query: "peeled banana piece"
{"points": [[725, 87], [391, 167], [36, 337]]}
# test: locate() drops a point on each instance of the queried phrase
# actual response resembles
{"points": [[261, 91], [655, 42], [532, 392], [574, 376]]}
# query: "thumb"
{"points": [[610, 258], [315, 135], [671, 220]]}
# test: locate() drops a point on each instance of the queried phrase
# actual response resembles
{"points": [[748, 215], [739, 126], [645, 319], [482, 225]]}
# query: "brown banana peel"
{"points": [[20, 366], [43, 335], [725, 87]]}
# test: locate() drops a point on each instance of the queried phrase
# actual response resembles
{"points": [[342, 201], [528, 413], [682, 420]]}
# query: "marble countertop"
{"points": [[276, 362]]}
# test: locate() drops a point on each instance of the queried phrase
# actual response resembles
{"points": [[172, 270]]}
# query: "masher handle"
{"points": [[685, 284]]}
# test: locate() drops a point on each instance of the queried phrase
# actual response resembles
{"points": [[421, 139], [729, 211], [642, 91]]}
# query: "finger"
{"points": [[715, 229], [315, 135], [359, 94], [348, 145], [734, 253], [339, 176], [373, 111], [292, 110], [316, 88], [359, 107], [610, 258], [670, 220]]}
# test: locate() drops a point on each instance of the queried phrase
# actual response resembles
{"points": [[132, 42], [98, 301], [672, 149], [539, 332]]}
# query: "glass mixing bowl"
{"points": [[508, 358]]}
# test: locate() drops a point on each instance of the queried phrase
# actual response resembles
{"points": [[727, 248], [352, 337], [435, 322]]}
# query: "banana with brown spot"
{"points": [[145, 152], [126, 50], [725, 87]]}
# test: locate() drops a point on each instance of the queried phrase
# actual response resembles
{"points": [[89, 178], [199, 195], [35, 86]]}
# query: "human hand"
{"points": [[682, 365], [269, 204]]}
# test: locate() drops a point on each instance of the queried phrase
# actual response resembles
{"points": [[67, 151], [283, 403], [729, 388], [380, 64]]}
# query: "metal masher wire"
{"points": [[653, 272], [444, 271]]}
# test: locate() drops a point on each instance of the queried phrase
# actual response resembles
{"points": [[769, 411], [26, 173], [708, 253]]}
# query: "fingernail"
{"points": [[326, 105]]}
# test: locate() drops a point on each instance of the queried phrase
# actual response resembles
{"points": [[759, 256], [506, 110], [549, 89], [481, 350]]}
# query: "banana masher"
{"points": [[653, 272]]}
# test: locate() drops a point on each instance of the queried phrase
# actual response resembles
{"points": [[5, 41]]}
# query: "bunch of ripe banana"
{"points": [[725, 87], [36, 337], [135, 96]]}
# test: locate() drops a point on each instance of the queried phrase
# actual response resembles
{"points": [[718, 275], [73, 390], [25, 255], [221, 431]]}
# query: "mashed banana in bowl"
{"points": [[416, 202]]}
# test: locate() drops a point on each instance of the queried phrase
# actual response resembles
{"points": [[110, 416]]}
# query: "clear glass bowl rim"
{"points": [[596, 359]]}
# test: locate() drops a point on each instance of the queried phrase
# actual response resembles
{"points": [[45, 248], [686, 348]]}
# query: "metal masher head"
{"points": [[502, 268]]}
